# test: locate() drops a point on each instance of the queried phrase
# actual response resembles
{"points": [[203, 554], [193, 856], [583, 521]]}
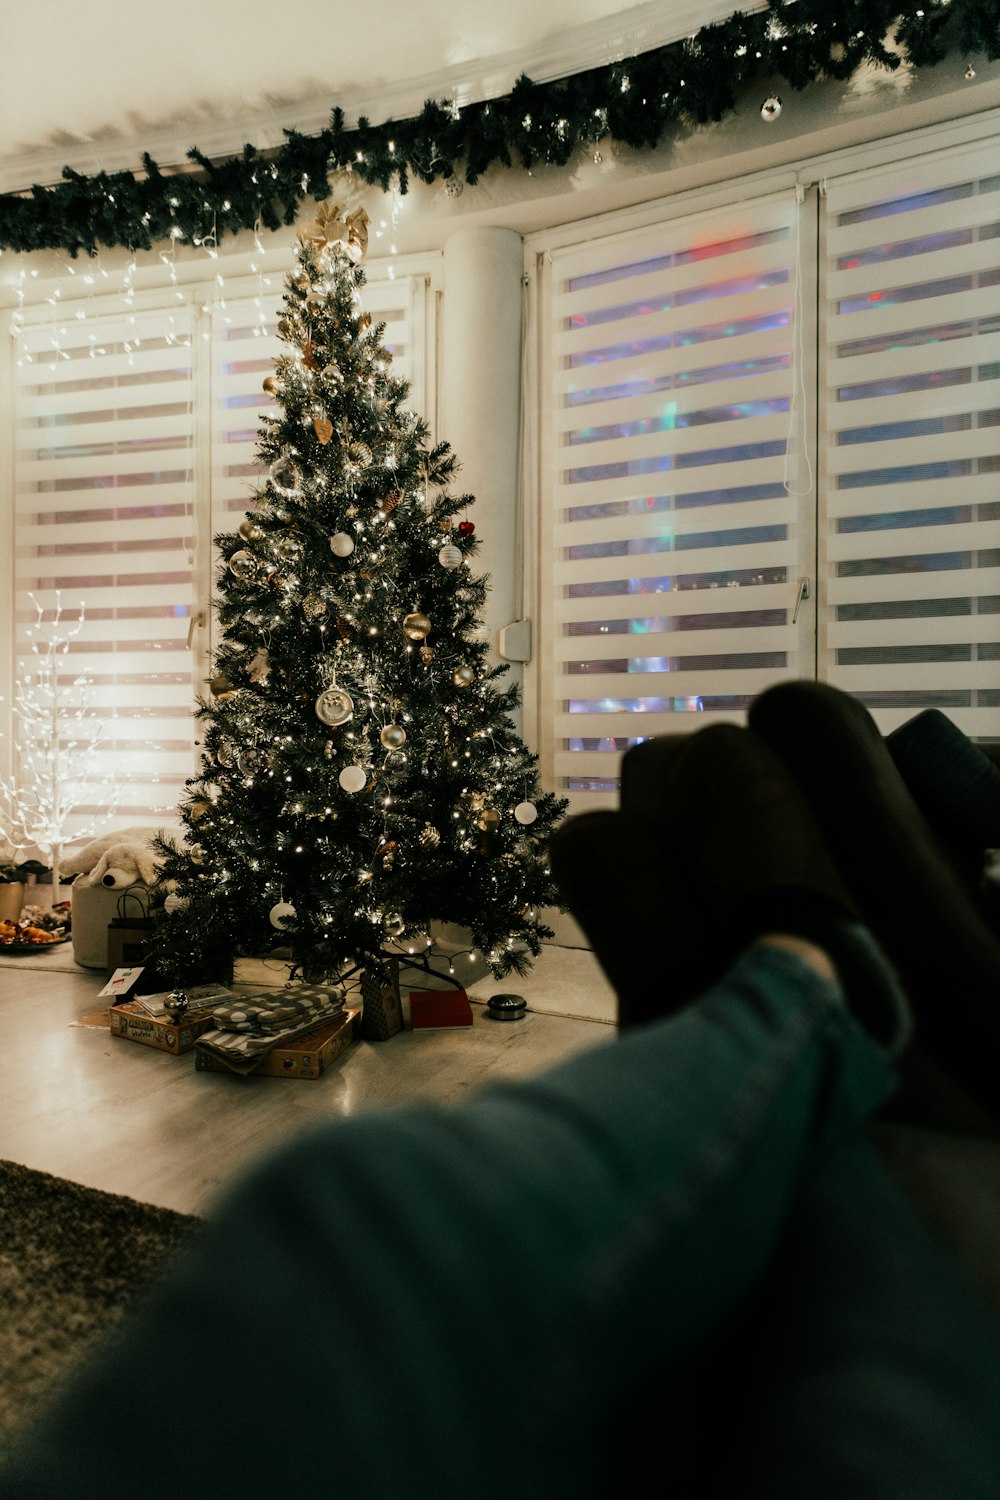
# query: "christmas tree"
{"points": [[360, 775]]}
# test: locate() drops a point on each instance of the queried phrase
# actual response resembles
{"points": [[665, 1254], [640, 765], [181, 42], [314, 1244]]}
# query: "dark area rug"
{"points": [[72, 1260]]}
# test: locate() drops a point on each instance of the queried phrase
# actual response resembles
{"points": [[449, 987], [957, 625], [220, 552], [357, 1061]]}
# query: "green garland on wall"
{"points": [[636, 101]]}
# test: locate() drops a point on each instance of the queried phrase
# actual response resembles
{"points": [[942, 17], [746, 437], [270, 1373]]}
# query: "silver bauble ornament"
{"points": [[341, 545], [176, 1005], [395, 763], [281, 914], [289, 549], [450, 556], [393, 923], [393, 737], [285, 475], [243, 565], [334, 706], [196, 854], [770, 109], [454, 187], [225, 756]]}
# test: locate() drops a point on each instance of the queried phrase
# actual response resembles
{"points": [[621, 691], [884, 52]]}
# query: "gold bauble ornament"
{"points": [[463, 676], [250, 531], [416, 625], [385, 854], [221, 688], [393, 737], [271, 386], [426, 655]]}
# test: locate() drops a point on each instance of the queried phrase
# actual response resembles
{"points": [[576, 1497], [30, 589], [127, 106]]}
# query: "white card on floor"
{"points": [[122, 983]]}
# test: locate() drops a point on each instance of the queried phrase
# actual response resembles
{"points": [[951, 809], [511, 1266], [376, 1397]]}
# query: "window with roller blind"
{"points": [[704, 422], [676, 539], [135, 438], [104, 527], [910, 459]]}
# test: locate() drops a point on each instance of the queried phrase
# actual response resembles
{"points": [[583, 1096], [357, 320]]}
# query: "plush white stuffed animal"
{"points": [[123, 858]]}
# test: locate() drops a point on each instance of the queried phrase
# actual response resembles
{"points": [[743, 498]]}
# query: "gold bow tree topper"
{"points": [[334, 226]]}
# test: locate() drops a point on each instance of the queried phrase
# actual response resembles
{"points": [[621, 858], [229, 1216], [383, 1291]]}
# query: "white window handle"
{"points": [[804, 592], [195, 623]]}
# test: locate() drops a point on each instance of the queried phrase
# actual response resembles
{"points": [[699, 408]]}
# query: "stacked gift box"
{"points": [[293, 1032]]}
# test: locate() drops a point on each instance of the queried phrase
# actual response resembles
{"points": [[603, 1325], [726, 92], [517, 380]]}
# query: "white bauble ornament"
{"points": [[174, 902], [526, 812], [281, 914], [341, 545], [770, 109], [352, 779], [450, 556]]}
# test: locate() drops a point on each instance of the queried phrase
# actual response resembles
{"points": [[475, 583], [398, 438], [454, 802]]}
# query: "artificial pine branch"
{"points": [[638, 101]]}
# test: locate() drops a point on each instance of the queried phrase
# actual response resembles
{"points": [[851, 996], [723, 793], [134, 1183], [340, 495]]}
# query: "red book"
{"points": [[432, 1009]]}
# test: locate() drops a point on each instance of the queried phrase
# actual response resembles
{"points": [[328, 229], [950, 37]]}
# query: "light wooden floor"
{"points": [[111, 1114]]}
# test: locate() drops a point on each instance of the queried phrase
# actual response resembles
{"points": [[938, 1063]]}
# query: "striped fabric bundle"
{"points": [[279, 1011]]}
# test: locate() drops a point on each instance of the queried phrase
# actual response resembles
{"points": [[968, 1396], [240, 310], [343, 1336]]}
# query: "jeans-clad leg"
{"points": [[469, 1302]]}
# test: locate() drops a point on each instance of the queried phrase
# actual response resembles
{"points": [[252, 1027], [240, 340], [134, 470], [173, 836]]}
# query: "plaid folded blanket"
{"points": [[278, 1011]]}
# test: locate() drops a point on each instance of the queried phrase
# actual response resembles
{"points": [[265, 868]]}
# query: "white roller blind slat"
{"points": [[908, 474], [673, 539]]}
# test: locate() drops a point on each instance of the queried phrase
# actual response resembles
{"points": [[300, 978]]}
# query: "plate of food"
{"points": [[25, 937]]}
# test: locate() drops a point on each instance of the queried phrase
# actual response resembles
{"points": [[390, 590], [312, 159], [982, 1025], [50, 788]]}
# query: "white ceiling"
{"points": [[93, 83]]}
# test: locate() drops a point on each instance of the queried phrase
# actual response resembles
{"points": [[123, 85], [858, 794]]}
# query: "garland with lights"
{"points": [[636, 102]]}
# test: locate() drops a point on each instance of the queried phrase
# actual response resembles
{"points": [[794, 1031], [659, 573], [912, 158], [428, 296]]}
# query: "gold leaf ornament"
{"points": [[332, 226], [323, 428]]}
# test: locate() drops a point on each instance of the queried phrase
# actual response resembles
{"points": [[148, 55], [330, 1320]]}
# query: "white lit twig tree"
{"points": [[56, 743]]}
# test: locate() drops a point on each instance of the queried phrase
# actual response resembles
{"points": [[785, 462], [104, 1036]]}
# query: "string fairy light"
{"points": [[56, 741]]}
